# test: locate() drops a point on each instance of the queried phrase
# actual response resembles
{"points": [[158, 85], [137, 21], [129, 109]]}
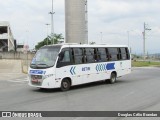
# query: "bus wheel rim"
{"points": [[65, 84]]}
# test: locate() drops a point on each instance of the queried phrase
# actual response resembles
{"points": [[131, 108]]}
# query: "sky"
{"points": [[109, 21]]}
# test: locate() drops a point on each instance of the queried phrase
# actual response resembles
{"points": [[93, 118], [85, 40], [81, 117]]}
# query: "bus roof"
{"points": [[86, 45], [82, 45]]}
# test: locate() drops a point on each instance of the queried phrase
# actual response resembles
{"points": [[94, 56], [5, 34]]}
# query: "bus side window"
{"points": [[107, 55], [84, 57], [127, 53], [72, 56], [95, 54], [90, 55], [124, 52], [98, 55], [119, 55], [101, 52], [78, 53], [66, 56], [113, 53]]}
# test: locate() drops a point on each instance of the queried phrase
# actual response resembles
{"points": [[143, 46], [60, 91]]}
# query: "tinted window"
{"points": [[123, 50], [66, 56], [101, 52], [78, 55], [78, 51], [89, 51], [124, 53], [127, 53], [119, 54], [113, 50], [113, 54], [89, 54]]}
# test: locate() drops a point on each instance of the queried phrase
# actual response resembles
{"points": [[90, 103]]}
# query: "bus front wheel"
{"points": [[112, 78], [65, 85]]}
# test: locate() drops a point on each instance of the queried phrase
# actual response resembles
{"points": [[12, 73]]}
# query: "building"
{"points": [[76, 21], [20, 48], [7, 42]]}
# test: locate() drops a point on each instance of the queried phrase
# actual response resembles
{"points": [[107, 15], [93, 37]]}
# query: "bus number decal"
{"points": [[86, 68]]}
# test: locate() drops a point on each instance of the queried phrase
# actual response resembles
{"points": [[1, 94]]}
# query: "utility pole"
{"points": [[144, 47], [144, 41], [101, 36], [47, 31], [128, 37], [52, 27], [128, 34], [86, 22]]}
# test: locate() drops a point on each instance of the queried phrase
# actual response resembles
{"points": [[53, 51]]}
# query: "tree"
{"points": [[49, 40], [56, 37]]}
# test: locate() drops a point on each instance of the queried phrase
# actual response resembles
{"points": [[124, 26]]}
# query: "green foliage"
{"points": [[49, 40], [144, 63]]}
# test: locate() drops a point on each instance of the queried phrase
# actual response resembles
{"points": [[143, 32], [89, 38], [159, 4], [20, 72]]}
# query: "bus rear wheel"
{"points": [[112, 78], [65, 85]]}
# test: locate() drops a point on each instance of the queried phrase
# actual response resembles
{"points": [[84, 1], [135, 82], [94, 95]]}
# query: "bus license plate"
{"points": [[35, 80]]}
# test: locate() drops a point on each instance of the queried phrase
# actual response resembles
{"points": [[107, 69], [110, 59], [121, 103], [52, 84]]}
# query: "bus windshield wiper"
{"points": [[42, 64]]}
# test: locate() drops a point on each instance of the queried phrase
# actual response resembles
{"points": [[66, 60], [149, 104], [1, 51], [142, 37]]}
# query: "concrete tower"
{"points": [[76, 30]]}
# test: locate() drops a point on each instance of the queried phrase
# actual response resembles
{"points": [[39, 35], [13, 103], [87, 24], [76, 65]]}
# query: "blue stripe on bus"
{"points": [[104, 67], [110, 66]]}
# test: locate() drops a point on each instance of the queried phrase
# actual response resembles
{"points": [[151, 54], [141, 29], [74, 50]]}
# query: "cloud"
{"points": [[111, 17], [116, 17], [31, 16]]}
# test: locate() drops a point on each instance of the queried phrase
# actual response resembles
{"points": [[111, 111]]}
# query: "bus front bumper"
{"points": [[43, 81]]}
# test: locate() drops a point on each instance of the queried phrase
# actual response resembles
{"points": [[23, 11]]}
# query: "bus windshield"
{"points": [[45, 57]]}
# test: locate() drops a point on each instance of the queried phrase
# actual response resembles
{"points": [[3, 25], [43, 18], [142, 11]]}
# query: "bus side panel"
{"points": [[83, 73], [123, 67], [96, 72], [72, 72]]}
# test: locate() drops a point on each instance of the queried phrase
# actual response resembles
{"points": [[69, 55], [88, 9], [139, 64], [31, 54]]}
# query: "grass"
{"points": [[145, 64]]}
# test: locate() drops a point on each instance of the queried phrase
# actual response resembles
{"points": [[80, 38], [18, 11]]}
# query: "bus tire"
{"points": [[65, 85], [113, 77]]}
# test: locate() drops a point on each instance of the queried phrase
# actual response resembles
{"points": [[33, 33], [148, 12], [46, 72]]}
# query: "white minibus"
{"points": [[66, 65]]}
